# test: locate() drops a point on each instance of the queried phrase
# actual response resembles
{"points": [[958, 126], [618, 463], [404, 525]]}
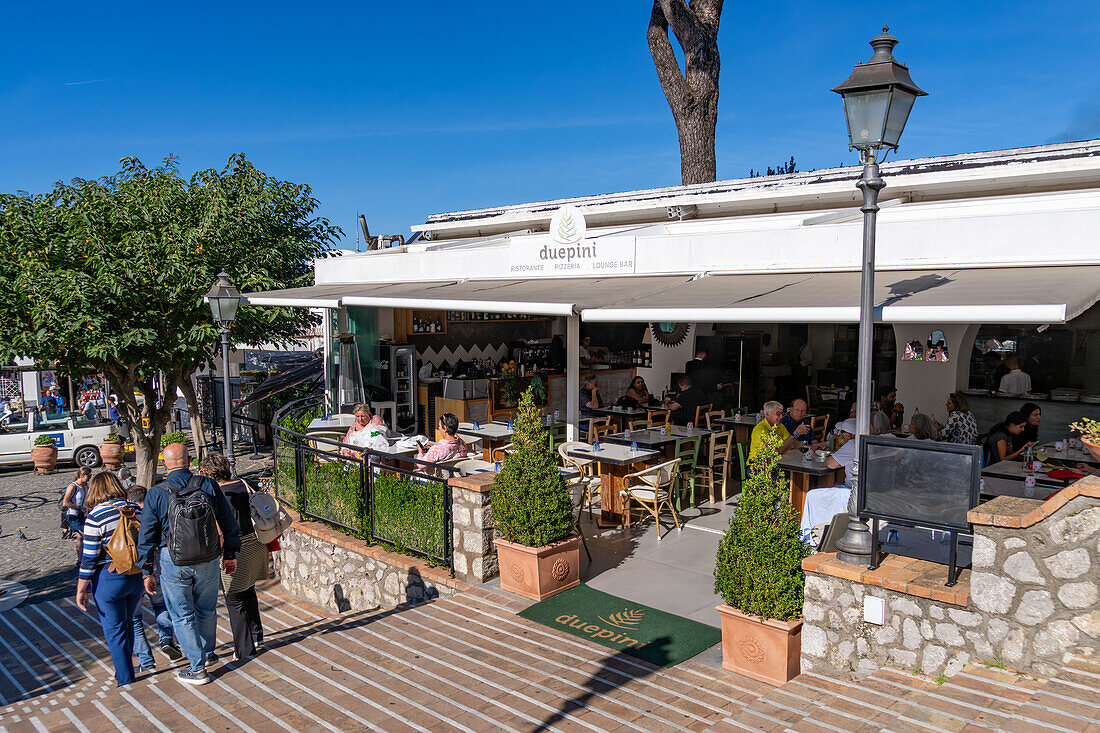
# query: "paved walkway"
{"points": [[469, 664]]}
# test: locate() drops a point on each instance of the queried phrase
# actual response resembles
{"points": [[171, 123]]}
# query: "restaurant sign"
{"points": [[568, 251]]}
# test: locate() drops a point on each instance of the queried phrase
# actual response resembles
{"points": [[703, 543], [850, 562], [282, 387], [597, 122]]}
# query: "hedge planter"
{"points": [[111, 453], [539, 572], [764, 649], [45, 458]]}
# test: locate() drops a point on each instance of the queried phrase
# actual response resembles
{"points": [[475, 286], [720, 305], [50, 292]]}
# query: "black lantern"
{"points": [[878, 97], [223, 299]]}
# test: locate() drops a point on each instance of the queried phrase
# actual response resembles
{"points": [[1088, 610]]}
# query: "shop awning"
{"points": [[991, 295], [306, 373]]}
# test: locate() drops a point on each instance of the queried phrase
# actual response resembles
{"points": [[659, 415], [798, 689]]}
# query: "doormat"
{"points": [[657, 637]]}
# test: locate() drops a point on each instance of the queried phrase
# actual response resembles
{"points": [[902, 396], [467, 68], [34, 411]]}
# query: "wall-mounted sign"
{"points": [[570, 252]]}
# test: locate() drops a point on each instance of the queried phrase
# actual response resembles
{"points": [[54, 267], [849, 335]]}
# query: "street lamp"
{"points": [[224, 299], [878, 97]]}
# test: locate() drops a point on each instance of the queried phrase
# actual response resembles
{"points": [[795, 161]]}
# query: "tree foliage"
{"points": [[759, 565], [780, 170], [109, 274], [530, 502], [691, 92]]}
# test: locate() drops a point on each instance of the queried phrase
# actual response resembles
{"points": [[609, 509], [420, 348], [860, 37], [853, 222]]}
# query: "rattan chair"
{"points": [[651, 489], [587, 469], [472, 465]]}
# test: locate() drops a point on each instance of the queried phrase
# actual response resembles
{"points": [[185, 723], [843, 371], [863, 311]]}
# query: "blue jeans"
{"points": [[164, 630], [116, 598], [191, 592]]}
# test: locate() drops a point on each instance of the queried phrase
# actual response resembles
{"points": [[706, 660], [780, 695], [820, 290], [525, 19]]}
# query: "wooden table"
{"points": [[334, 422], [619, 414], [492, 435], [741, 426], [615, 462], [805, 475]]}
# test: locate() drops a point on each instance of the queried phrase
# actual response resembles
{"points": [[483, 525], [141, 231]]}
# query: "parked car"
{"points": [[77, 438]]}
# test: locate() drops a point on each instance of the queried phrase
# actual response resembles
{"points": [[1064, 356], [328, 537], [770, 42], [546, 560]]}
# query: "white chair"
{"points": [[651, 489], [386, 405], [472, 465], [587, 468]]}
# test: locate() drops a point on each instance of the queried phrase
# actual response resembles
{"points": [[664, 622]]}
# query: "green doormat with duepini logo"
{"points": [[658, 637]]}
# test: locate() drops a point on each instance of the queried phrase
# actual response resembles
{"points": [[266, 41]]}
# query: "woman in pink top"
{"points": [[362, 421], [450, 446]]}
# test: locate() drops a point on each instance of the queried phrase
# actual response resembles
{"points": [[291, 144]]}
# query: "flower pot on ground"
{"points": [[110, 450], [44, 454], [1090, 435], [759, 575], [539, 554]]}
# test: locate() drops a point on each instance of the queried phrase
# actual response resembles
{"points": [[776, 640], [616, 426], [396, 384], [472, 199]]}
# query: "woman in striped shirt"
{"points": [[116, 595]]}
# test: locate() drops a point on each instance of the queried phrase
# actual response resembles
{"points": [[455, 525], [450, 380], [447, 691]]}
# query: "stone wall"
{"points": [[475, 555], [337, 572], [1030, 600]]}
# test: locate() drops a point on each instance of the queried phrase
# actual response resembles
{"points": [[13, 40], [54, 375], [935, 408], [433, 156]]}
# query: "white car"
{"points": [[78, 439]]}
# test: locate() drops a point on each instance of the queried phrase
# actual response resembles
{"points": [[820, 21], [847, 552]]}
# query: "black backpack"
{"points": [[192, 531]]}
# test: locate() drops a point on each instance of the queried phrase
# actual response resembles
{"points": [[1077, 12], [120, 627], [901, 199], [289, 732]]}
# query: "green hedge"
{"points": [[286, 483], [333, 492], [409, 515]]}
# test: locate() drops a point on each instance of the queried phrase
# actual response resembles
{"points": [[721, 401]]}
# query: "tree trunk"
{"points": [[198, 434], [692, 94], [146, 442]]}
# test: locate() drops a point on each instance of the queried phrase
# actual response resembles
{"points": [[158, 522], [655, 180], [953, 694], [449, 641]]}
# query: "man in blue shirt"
{"points": [[795, 416], [190, 591]]}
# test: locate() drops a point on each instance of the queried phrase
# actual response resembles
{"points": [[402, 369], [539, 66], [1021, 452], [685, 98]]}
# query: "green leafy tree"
{"points": [[109, 275], [759, 567], [530, 503]]}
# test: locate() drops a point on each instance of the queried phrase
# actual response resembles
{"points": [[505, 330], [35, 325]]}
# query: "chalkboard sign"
{"points": [[921, 482]]}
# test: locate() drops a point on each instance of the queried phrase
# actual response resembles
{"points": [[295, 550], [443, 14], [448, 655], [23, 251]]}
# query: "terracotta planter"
{"points": [[111, 453], [764, 649], [1093, 448], [539, 572], [44, 457]]}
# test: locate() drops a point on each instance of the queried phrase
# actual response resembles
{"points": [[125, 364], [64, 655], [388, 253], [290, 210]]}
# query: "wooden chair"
{"points": [[716, 468], [687, 453], [700, 411], [639, 424], [657, 418], [710, 417], [594, 422], [587, 468], [651, 489], [598, 431], [819, 425]]}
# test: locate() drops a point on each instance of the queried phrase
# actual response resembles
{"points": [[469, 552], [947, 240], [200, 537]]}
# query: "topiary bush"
{"points": [[759, 567], [529, 500], [45, 440]]}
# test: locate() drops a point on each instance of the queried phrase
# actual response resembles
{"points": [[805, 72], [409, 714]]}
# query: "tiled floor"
{"points": [[675, 574]]}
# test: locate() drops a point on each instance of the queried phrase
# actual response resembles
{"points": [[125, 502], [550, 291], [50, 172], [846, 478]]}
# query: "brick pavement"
{"points": [[470, 664]]}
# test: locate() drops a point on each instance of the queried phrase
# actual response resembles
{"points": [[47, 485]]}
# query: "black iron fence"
{"points": [[360, 491]]}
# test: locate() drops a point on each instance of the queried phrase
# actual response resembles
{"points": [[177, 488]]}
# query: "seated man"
{"points": [[796, 416], [686, 402], [823, 504], [771, 427]]}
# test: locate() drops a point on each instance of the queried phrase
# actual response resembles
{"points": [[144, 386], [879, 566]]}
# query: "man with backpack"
{"points": [[180, 523]]}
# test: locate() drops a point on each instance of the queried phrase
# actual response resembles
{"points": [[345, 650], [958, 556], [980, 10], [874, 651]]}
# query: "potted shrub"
{"points": [[538, 552], [44, 454], [1090, 435], [110, 450], [176, 436], [759, 576]]}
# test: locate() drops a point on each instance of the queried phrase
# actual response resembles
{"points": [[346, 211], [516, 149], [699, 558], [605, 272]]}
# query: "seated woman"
{"points": [[921, 427], [961, 426], [880, 424], [363, 416], [449, 446], [639, 392], [1033, 416], [998, 444]]}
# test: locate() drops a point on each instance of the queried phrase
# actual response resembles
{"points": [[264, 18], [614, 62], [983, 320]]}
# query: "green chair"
{"points": [[743, 456], [556, 431], [687, 453]]}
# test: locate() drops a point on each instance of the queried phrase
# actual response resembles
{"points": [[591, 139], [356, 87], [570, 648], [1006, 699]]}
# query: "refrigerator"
{"points": [[398, 375]]}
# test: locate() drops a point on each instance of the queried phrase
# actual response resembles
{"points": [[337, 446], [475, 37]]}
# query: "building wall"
{"points": [[668, 359], [924, 385]]}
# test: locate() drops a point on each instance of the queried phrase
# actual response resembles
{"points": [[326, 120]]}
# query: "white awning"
{"points": [[992, 295]]}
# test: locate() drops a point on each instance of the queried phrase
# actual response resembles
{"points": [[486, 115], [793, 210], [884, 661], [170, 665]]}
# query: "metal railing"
{"points": [[360, 491]]}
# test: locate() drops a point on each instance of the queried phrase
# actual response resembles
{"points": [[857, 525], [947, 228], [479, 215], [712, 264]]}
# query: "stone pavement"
{"points": [[469, 664]]}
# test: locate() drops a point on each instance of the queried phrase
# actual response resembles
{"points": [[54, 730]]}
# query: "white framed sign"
{"points": [[567, 251]]}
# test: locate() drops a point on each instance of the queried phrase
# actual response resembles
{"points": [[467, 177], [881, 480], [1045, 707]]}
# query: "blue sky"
{"points": [[398, 111]]}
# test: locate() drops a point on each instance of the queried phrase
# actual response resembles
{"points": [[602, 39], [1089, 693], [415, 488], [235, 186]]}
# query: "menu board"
{"points": [[921, 482]]}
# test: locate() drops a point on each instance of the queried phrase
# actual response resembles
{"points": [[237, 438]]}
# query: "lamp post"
{"points": [[878, 97], [224, 299]]}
